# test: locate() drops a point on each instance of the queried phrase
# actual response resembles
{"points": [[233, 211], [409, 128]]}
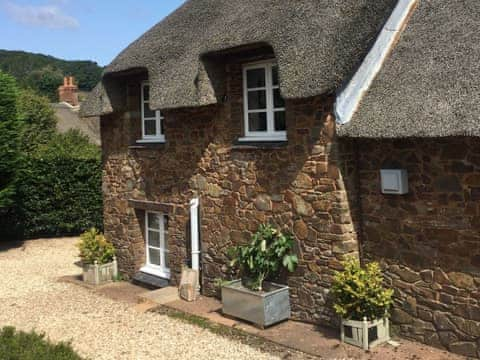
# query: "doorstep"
{"points": [[308, 338]]}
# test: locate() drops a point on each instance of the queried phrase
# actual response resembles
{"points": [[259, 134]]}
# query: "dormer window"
{"points": [[264, 108], [152, 121]]}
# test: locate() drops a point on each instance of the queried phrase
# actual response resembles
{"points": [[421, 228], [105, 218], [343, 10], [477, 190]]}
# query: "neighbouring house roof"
{"points": [[430, 85], [318, 45], [68, 118]]}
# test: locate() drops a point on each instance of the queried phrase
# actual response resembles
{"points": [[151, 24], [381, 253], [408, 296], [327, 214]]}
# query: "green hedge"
{"points": [[58, 196]]}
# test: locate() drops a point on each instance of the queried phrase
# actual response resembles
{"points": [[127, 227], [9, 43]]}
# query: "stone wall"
{"points": [[428, 240], [295, 185]]}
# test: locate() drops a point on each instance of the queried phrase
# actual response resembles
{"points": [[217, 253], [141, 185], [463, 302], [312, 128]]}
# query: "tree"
{"points": [[46, 81], [9, 130], [38, 118]]}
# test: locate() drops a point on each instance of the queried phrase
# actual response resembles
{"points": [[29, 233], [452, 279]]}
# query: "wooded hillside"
{"points": [[45, 73]]}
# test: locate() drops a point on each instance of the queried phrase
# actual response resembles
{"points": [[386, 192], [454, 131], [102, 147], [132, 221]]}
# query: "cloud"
{"points": [[50, 16]]}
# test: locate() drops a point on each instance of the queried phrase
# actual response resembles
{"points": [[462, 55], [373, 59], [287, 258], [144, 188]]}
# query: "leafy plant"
{"points": [[9, 129], [359, 291], [18, 345], [268, 252], [95, 248]]}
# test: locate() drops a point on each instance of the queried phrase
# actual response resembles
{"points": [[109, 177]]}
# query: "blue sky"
{"points": [[78, 30]]}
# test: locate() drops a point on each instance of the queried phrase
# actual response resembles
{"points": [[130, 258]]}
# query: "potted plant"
{"points": [[98, 258], [363, 304], [253, 298]]}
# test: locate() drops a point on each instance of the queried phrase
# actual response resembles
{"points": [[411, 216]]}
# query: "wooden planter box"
{"points": [[96, 274], [365, 334], [263, 308]]}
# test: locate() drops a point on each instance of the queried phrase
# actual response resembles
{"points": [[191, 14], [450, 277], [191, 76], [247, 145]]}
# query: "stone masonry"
{"points": [[428, 240], [297, 186], [323, 190]]}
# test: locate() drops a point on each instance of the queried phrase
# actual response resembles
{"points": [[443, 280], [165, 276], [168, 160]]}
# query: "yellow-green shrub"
{"points": [[359, 291], [95, 248]]}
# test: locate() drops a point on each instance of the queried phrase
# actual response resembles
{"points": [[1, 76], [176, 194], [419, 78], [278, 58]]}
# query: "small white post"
{"points": [[115, 268], [96, 273], [342, 332], [195, 238], [365, 334]]}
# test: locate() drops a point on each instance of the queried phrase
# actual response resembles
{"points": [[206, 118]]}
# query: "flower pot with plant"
{"points": [[253, 298], [363, 304], [98, 258]]}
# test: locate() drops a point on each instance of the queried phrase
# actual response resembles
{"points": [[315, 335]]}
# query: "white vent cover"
{"points": [[394, 181]]}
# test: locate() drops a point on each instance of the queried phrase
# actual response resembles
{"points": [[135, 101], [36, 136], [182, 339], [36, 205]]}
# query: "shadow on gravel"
{"points": [[10, 245]]}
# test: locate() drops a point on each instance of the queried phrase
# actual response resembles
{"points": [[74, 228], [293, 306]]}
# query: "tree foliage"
{"points": [[9, 129], [38, 118], [359, 291], [50, 183]]}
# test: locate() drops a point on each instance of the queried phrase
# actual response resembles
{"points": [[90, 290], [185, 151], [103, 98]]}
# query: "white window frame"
{"points": [[161, 270], [159, 119], [270, 134]]}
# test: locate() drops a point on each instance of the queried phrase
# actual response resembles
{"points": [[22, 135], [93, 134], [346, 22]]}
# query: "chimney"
{"points": [[68, 92]]}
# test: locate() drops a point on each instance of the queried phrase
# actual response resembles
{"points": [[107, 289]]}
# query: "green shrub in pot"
{"points": [[359, 291], [95, 248], [268, 252]]}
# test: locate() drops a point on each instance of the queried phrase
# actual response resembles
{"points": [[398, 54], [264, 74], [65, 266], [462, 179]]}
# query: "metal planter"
{"points": [[263, 308]]}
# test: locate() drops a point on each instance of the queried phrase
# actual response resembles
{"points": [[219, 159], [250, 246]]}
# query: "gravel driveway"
{"points": [[99, 328]]}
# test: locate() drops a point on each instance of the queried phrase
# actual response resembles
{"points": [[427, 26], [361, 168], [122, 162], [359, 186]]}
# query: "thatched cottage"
{"points": [[353, 124]]}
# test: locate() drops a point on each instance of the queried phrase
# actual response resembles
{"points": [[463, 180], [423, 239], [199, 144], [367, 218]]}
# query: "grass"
{"points": [[18, 345], [244, 337]]}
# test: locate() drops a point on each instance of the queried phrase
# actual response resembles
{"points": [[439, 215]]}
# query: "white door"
{"points": [[156, 226]]}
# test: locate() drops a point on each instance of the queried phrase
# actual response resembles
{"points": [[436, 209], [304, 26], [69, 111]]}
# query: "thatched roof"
{"points": [[430, 86], [318, 45]]}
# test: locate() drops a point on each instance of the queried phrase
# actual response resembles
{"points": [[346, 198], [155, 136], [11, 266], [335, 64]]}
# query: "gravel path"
{"points": [[99, 328]]}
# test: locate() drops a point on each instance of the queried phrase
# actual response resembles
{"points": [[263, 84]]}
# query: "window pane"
{"points": [[147, 112], [153, 221], [154, 239], [150, 127], [154, 256], [278, 101], [257, 121], [146, 92], [257, 100], [255, 78], [280, 123], [275, 75]]}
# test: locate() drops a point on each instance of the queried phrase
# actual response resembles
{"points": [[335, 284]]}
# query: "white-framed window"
{"points": [[264, 107], [156, 241], [152, 121]]}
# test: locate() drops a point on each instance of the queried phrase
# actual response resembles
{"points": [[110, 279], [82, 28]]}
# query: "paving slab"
{"points": [[160, 296]]}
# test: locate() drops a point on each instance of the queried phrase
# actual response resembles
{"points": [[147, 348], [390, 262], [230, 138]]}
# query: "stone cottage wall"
{"points": [[428, 240], [297, 186]]}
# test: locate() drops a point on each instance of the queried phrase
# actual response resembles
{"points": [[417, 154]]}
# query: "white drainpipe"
{"points": [[195, 236]]}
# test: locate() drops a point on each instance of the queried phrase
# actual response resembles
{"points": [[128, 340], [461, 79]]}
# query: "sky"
{"points": [[78, 29]]}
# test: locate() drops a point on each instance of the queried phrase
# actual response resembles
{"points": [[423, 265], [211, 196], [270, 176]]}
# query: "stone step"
{"points": [[161, 296], [149, 281]]}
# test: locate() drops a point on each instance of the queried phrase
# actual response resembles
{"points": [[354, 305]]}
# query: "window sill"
{"points": [[164, 273], [254, 145], [151, 141], [267, 139], [148, 144]]}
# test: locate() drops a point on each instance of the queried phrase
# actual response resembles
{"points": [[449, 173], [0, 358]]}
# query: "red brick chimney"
{"points": [[68, 92]]}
